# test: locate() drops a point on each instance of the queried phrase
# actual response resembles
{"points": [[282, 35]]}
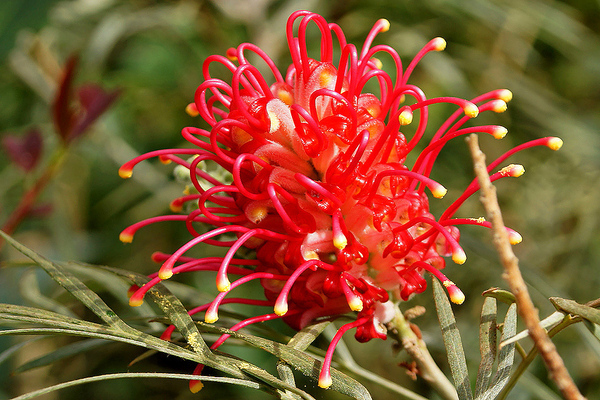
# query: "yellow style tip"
{"points": [[223, 285], [459, 256], [499, 106], [356, 304], [135, 302], [505, 95], [340, 241], [196, 386], [164, 160], [439, 191], [405, 117], [126, 237], [325, 382], [211, 317], [192, 110], [310, 255], [125, 173], [385, 25], [471, 110], [165, 274], [514, 170], [457, 297], [176, 206], [499, 132], [281, 308], [377, 62], [555, 143], [514, 237], [439, 44]]}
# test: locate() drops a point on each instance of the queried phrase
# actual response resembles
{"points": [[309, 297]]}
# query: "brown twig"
{"points": [[416, 348], [554, 363]]}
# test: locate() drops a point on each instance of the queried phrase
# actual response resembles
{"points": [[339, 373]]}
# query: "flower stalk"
{"points": [[427, 369]]}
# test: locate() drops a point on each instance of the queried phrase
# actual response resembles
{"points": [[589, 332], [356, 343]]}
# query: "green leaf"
{"points": [[128, 375], [112, 283], [73, 285], [452, 341], [547, 323], [173, 309], [487, 345], [301, 341], [287, 375], [306, 336], [300, 360], [593, 328], [30, 291], [62, 352], [500, 294], [6, 354], [572, 307], [506, 357]]}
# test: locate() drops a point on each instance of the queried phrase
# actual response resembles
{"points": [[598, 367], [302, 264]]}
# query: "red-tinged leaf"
{"points": [[41, 210], [62, 111], [94, 101], [24, 151]]}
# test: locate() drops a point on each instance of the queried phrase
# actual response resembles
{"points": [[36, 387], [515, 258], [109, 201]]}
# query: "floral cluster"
{"points": [[318, 183]]}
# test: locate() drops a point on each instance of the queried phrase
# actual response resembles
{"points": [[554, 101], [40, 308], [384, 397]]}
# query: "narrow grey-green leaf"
{"points": [[6, 354], [153, 375], [30, 291], [272, 381], [113, 283], [141, 339], [300, 360], [506, 357], [287, 375], [500, 294], [301, 341], [62, 352], [487, 345], [452, 341], [547, 323], [306, 336], [173, 309], [593, 328], [13, 311], [73, 285], [572, 307]]}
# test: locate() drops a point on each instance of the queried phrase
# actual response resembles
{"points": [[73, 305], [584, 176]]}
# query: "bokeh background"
{"points": [[547, 52]]}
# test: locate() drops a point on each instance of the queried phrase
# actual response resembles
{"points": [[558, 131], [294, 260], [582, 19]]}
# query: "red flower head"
{"points": [[318, 184]]}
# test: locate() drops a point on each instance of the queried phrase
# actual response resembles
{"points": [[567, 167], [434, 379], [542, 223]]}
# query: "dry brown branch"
{"points": [[554, 363]]}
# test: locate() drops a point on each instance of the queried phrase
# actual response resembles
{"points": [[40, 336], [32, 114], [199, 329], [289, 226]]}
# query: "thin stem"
{"points": [[29, 198], [416, 348], [553, 361]]}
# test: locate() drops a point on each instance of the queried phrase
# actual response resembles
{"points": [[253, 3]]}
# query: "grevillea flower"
{"points": [[313, 178]]}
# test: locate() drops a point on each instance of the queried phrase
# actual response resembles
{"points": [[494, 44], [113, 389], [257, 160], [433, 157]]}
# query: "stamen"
{"points": [[456, 295], [339, 239], [212, 311], [325, 375], [458, 254], [281, 306]]}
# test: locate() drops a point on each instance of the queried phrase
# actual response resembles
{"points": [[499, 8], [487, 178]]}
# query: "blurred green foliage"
{"points": [[547, 52]]}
